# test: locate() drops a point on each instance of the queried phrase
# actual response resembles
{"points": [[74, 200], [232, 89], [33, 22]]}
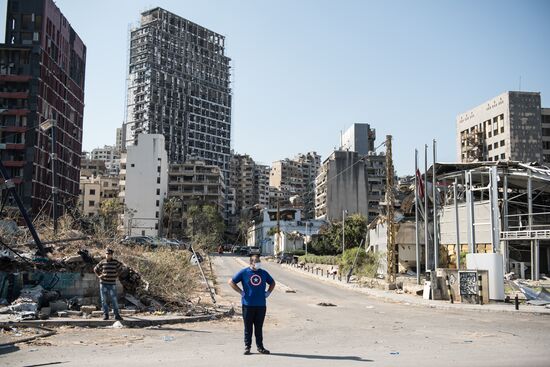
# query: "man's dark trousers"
{"points": [[253, 316]]}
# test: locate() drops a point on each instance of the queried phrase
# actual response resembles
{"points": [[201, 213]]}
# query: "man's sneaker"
{"points": [[118, 317], [246, 351], [105, 317], [263, 351]]}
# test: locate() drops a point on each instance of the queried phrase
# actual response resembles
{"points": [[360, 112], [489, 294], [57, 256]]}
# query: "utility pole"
{"points": [[278, 245], [390, 211], [344, 212]]}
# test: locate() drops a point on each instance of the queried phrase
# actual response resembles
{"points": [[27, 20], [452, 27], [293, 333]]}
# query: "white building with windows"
{"points": [[262, 231], [144, 185]]}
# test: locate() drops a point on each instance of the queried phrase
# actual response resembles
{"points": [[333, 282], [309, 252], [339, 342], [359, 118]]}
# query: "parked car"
{"points": [[166, 242], [140, 241], [253, 250], [287, 258]]}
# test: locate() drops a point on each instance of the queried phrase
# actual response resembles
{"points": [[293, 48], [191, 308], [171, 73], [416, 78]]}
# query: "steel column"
{"points": [[416, 202], [457, 225]]}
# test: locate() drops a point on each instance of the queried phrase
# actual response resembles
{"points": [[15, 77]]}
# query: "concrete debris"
{"points": [[88, 309]]}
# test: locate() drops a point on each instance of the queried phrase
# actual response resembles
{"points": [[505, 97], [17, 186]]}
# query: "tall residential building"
{"points": [[42, 69], [507, 127], [179, 86], [296, 177], [193, 183], [251, 184], [143, 185], [350, 182], [119, 144], [359, 138]]}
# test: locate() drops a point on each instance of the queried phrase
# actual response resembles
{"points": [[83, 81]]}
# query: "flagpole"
{"points": [[416, 216], [426, 214]]}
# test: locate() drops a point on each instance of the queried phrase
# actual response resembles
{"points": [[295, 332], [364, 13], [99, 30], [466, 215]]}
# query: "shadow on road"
{"points": [[178, 329], [316, 356], [8, 348]]}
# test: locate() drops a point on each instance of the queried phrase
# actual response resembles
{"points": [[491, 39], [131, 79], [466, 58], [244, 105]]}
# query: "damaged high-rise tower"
{"points": [[179, 86]]}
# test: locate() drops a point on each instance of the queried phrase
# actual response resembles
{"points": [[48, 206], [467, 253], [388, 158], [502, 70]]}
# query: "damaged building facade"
{"points": [[502, 208], [511, 126], [192, 183], [42, 69], [179, 86], [350, 180], [250, 183], [295, 178]]}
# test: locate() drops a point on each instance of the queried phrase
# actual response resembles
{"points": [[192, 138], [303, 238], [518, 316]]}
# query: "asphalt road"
{"points": [[357, 331]]}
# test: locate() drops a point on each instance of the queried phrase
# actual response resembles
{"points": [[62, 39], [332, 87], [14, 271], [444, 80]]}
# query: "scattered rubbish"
{"points": [[394, 353], [468, 341], [290, 290], [369, 307], [326, 304], [117, 325], [168, 338], [46, 332], [532, 295]]}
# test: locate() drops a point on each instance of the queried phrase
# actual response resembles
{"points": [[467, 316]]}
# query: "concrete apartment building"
{"points": [[90, 168], [94, 190], [179, 86], [349, 180], [90, 196], [507, 127], [193, 183], [295, 177], [143, 185], [110, 155], [42, 69], [359, 138], [250, 182]]}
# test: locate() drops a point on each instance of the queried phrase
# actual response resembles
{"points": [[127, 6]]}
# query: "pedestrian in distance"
{"points": [[254, 280], [108, 270]]}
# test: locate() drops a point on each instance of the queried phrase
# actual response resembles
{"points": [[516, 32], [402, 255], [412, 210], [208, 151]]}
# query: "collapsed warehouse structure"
{"points": [[500, 207]]}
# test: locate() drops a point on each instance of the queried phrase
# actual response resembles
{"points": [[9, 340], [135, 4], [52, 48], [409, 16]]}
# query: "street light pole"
{"points": [[51, 124], [54, 176]]}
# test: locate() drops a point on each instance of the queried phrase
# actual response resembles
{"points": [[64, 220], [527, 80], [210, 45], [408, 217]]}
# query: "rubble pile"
{"points": [[31, 286]]}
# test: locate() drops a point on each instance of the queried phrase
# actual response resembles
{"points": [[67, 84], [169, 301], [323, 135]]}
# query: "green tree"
{"points": [[109, 214], [169, 208], [329, 240], [205, 226]]}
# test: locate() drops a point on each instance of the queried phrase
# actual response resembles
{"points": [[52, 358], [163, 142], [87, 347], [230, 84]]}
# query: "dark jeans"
{"points": [[108, 291], [253, 316]]}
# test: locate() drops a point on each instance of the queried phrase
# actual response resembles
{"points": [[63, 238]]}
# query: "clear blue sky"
{"points": [[304, 70]]}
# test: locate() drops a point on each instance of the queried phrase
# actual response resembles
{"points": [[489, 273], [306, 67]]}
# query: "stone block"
{"points": [[58, 305], [88, 309], [62, 314]]}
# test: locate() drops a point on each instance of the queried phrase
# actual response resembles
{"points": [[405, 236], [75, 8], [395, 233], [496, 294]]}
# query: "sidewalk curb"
{"points": [[417, 302], [129, 321]]}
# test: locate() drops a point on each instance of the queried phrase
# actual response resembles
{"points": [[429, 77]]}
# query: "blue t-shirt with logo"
{"points": [[254, 284]]}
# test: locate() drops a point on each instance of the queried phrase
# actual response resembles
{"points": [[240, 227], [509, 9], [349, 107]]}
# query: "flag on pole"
{"points": [[420, 182]]}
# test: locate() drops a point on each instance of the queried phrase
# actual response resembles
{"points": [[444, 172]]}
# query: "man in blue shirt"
{"points": [[253, 296]]}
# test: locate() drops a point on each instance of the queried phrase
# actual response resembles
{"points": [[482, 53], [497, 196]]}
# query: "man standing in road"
{"points": [[108, 271], [253, 296]]}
